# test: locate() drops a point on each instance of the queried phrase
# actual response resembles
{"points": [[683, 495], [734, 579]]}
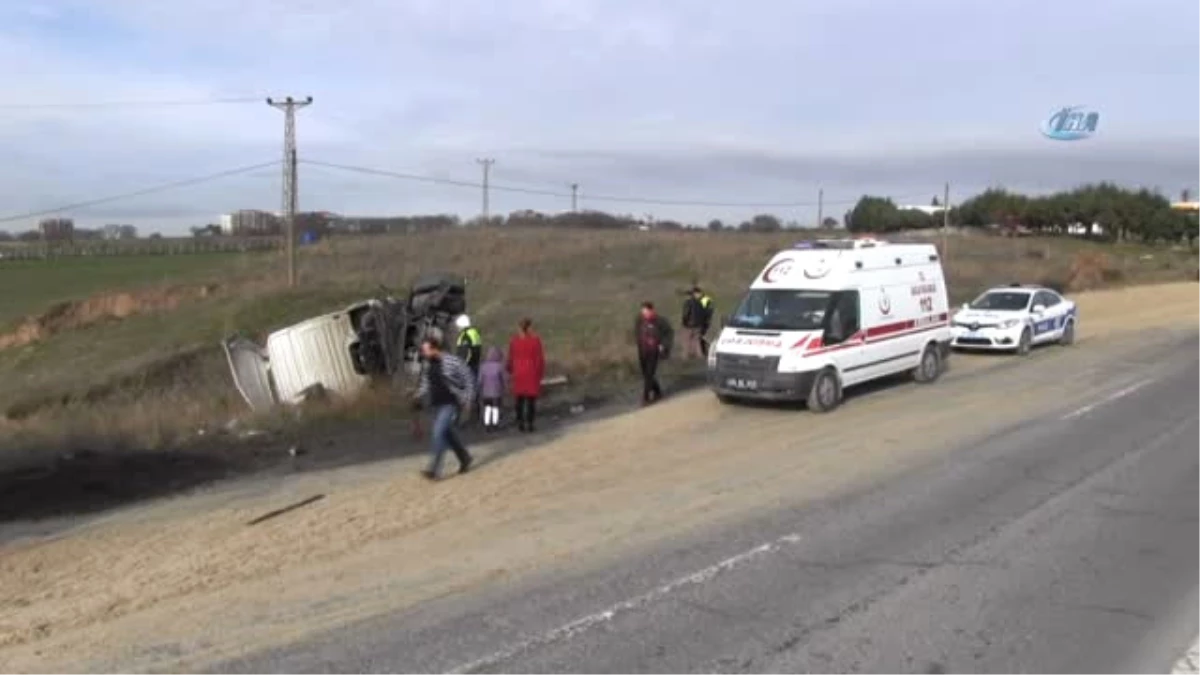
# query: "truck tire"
{"points": [[826, 392]]}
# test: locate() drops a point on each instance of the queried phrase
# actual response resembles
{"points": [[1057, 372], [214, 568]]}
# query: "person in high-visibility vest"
{"points": [[470, 343], [697, 319]]}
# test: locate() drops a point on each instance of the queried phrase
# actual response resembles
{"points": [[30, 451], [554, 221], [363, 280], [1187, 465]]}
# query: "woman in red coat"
{"points": [[527, 366]]}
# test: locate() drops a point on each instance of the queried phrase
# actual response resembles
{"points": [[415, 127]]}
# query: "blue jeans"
{"points": [[443, 435]]}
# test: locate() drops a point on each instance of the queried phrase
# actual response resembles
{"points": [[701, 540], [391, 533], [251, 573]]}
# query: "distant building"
{"points": [[57, 229], [1085, 230], [251, 222], [1186, 206], [927, 210], [115, 231]]}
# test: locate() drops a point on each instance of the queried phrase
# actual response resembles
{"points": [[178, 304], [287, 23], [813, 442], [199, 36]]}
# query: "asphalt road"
{"points": [[1067, 543]]}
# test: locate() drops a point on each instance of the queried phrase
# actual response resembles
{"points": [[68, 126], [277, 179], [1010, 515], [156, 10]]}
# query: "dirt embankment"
{"points": [[77, 314], [187, 581]]}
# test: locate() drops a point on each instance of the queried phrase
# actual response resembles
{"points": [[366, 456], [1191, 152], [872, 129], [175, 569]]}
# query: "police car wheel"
{"points": [[826, 392], [930, 367], [1068, 335], [726, 400], [1025, 344]]}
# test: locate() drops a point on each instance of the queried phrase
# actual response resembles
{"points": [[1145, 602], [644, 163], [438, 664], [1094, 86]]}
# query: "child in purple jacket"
{"points": [[493, 383]]}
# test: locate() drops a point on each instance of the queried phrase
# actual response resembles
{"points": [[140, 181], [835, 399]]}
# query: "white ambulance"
{"points": [[830, 314]]}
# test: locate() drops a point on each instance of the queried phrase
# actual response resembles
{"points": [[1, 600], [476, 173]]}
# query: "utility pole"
{"points": [[945, 221], [486, 163], [574, 197], [289, 106], [820, 208]]}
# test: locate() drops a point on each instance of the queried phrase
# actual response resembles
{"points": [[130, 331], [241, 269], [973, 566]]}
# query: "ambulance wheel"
{"points": [[1025, 344], [1068, 335], [930, 367], [826, 392], [726, 400]]}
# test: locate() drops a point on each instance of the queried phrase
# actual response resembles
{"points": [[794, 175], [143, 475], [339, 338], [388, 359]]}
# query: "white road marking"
{"points": [[1190, 663], [584, 623], [1109, 399]]}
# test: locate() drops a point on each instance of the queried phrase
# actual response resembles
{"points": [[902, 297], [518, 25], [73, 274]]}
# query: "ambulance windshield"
{"points": [[781, 310]]}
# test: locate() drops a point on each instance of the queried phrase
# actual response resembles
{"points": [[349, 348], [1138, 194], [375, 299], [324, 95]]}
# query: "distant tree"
{"points": [[935, 202], [1185, 195], [715, 225], [763, 222], [871, 214], [830, 223]]}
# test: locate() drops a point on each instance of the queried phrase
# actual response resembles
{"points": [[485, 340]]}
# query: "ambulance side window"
{"points": [[843, 318]]}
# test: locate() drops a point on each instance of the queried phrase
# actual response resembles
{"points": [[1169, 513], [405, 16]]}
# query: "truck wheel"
{"points": [[930, 367], [826, 392], [1068, 335], [1025, 344]]}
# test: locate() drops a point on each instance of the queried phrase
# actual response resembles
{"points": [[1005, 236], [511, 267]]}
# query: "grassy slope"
{"points": [[43, 283], [581, 288]]}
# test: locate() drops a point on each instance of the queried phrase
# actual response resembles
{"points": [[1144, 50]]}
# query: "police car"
{"points": [[1014, 318]]}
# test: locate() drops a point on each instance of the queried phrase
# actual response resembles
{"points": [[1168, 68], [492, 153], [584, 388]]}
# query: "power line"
{"points": [[128, 104], [598, 198], [139, 193]]}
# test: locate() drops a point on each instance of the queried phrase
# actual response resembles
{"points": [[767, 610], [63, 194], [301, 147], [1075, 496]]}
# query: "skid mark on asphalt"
{"points": [[569, 630]]}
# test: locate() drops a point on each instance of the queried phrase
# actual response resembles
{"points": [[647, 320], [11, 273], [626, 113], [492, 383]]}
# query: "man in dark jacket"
{"points": [[654, 337], [697, 318], [448, 389]]}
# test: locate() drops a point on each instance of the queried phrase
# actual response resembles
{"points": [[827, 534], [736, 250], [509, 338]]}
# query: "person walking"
{"points": [[493, 384], [653, 335], [470, 343], [527, 365], [448, 389], [697, 319]]}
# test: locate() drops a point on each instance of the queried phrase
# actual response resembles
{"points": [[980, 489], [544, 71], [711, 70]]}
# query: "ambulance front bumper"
{"points": [[757, 378]]}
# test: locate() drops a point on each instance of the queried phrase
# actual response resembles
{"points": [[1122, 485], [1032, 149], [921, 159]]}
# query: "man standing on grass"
{"points": [[448, 388], [697, 318], [654, 337]]}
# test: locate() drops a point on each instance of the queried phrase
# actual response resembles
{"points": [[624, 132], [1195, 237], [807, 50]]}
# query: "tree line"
{"points": [[1121, 214]]}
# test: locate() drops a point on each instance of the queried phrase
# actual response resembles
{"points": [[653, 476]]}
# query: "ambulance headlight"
{"points": [[1011, 323]]}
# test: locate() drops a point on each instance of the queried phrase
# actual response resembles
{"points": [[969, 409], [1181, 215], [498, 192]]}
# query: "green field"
{"points": [[32, 286]]}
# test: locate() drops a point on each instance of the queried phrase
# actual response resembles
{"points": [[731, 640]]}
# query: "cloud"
{"points": [[753, 100]]}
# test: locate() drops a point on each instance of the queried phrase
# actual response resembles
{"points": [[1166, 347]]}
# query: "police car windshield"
{"points": [[781, 310], [1004, 301]]}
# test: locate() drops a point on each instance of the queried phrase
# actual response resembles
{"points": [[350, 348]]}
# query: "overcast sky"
{"points": [[686, 101]]}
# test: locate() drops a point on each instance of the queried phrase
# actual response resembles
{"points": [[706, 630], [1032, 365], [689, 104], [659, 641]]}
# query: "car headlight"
{"points": [[1011, 323]]}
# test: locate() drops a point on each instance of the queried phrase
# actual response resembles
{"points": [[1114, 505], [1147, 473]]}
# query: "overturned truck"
{"points": [[344, 352]]}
